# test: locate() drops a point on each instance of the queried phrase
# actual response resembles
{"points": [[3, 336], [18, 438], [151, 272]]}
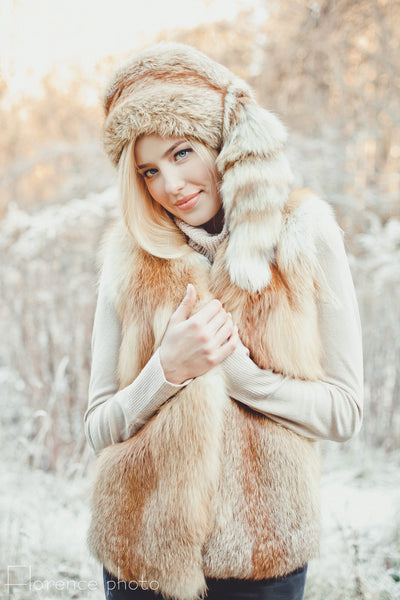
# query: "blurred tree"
{"points": [[333, 55], [336, 63], [50, 145], [232, 44]]}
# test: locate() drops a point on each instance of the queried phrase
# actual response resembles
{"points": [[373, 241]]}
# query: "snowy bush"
{"points": [[48, 276]]}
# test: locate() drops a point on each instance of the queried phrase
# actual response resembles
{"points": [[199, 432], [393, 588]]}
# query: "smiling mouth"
{"points": [[188, 201]]}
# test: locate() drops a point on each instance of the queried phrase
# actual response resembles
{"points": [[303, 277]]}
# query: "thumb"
{"points": [[185, 308]]}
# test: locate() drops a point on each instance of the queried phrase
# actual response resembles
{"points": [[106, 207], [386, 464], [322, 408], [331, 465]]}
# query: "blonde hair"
{"points": [[147, 221]]}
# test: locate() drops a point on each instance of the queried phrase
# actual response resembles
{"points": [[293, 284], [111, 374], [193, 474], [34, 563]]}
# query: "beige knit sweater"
{"points": [[326, 409]]}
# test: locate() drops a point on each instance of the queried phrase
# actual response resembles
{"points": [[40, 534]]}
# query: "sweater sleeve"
{"points": [[330, 408], [115, 415]]}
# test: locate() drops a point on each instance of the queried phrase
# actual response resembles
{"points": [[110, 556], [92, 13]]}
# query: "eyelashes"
{"points": [[178, 156], [148, 174], [184, 151]]}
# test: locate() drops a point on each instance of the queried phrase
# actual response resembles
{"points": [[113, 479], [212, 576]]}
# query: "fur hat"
{"points": [[174, 90]]}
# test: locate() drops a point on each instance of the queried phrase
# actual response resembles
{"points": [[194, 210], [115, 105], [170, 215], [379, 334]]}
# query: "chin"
{"points": [[196, 220], [199, 222]]}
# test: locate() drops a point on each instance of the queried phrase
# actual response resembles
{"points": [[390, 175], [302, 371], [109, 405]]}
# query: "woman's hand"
{"points": [[194, 344]]}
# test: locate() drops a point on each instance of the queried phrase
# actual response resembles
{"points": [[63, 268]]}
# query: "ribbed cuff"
{"points": [[245, 380], [148, 392]]}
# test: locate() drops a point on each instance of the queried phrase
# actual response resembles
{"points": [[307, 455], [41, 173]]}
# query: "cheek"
{"points": [[204, 176], [212, 184], [154, 189], [203, 173]]}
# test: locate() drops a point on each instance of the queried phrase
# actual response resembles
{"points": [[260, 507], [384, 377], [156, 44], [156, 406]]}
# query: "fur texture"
{"points": [[208, 487], [173, 90]]}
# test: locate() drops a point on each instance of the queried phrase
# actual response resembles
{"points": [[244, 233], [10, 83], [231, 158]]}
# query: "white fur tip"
{"points": [[252, 275]]}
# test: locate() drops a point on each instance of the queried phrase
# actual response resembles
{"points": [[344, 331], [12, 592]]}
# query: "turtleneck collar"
{"points": [[200, 240]]}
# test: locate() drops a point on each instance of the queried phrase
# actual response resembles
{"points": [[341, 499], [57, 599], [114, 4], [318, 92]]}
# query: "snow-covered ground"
{"points": [[45, 518], [360, 540], [43, 552]]}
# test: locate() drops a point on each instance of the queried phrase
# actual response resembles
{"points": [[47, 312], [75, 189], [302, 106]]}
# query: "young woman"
{"points": [[226, 342]]}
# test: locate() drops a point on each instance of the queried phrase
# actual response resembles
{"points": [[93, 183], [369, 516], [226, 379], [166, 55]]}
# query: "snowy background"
{"points": [[331, 71]]}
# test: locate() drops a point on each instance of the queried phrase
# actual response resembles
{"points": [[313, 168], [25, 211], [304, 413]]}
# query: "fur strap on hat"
{"points": [[256, 180]]}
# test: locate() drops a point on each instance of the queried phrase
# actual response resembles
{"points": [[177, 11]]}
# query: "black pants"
{"points": [[290, 587]]}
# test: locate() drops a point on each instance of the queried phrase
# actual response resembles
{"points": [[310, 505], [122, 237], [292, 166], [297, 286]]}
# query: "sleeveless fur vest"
{"points": [[209, 487]]}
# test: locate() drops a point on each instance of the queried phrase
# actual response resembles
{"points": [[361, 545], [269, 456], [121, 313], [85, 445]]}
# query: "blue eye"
{"points": [[149, 173], [183, 153]]}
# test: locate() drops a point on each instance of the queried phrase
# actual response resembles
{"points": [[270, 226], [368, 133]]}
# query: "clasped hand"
{"points": [[195, 343]]}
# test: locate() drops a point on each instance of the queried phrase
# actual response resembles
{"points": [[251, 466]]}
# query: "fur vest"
{"points": [[209, 487]]}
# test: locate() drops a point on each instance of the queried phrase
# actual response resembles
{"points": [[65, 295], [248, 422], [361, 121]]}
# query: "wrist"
{"points": [[171, 374]]}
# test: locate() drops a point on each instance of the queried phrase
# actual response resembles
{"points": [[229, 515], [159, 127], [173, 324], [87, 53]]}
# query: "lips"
{"points": [[188, 201]]}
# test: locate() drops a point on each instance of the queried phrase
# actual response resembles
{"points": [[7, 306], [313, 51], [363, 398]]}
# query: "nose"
{"points": [[173, 181]]}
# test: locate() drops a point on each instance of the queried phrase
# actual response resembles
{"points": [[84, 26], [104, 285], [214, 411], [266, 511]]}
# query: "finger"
{"points": [[209, 311], [218, 321], [186, 307], [224, 333], [235, 336], [226, 349]]}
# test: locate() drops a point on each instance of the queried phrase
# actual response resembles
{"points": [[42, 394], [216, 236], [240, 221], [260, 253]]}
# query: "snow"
{"points": [[46, 515], [360, 550]]}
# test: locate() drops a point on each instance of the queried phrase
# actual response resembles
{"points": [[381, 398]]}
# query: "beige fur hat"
{"points": [[174, 90]]}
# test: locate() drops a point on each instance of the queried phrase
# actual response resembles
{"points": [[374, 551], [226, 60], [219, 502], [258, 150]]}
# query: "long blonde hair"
{"points": [[147, 221]]}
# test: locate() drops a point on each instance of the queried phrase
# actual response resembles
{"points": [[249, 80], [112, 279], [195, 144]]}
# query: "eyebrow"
{"points": [[170, 149]]}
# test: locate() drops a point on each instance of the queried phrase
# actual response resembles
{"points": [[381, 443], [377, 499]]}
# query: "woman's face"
{"points": [[178, 178]]}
